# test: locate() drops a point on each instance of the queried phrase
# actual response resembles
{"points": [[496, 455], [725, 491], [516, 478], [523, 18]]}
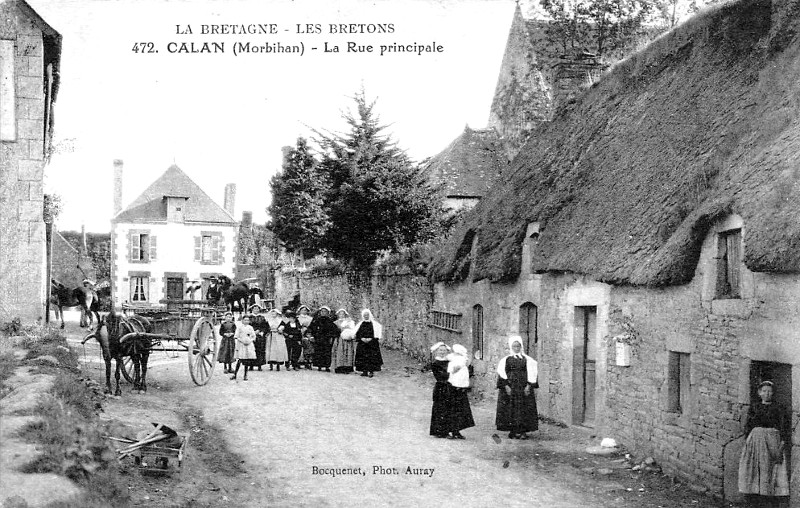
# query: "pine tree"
{"points": [[297, 212], [378, 198]]}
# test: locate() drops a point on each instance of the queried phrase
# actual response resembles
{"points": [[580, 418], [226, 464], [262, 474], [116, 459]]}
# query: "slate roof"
{"points": [[468, 166], [150, 205]]}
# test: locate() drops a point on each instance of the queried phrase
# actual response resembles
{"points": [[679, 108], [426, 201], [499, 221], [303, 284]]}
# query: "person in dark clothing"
{"points": [[368, 352], [763, 476], [260, 325], [293, 334], [516, 402], [440, 411], [227, 344], [324, 331]]}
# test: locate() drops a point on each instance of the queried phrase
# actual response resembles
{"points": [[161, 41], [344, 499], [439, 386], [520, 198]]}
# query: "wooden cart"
{"points": [[181, 325]]}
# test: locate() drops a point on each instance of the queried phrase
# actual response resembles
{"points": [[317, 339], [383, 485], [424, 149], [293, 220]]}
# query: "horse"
{"points": [[84, 297], [232, 294], [109, 334]]}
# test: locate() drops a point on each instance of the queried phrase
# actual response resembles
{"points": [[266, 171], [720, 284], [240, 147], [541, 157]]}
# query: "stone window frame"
{"points": [[172, 275], [145, 277], [679, 382], [478, 331], [531, 346], [728, 281], [8, 91], [217, 255], [146, 255]]}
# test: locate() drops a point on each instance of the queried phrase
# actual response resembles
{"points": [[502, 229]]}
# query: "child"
{"points": [[460, 412], [227, 345], [245, 347], [293, 334]]}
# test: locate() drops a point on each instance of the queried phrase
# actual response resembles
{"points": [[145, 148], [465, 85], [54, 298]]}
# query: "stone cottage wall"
{"points": [[21, 173], [400, 302]]}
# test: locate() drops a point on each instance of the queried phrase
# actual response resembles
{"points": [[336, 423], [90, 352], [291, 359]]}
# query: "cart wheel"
{"points": [[127, 369], [202, 351]]}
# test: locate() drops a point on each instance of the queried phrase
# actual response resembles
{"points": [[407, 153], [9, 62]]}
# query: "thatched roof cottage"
{"points": [[645, 243]]}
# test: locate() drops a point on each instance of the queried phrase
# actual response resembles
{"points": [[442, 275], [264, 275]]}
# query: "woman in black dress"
{"points": [[260, 325], [368, 352], [763, 476], [440, 411], [324, 331], [227, 344], [516, 403]]}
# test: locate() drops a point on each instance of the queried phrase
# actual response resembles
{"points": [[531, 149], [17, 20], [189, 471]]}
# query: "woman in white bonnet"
{"points": [[277, 354], [344, 346], [368, 352], [458, 378], [516, 402]]}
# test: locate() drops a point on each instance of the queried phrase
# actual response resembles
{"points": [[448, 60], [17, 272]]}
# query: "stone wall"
{"points": [[400, 302], [21, 173]]}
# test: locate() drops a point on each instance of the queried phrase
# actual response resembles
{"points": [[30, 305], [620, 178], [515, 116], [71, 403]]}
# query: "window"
{"points": [[477, 331], [8, 103], [445, 321], [208, 248], [678, 382], [528, 328], [142, 247], [140, 288], [207, 251], [729, 263]]}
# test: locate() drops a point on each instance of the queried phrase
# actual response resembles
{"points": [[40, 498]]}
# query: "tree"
{"points": [[378, 198], [298, 216]]}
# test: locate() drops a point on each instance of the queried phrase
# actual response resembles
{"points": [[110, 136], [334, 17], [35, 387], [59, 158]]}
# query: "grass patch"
{"points": [[48, 341], [71, 440], [7, 365], [209, 440]]}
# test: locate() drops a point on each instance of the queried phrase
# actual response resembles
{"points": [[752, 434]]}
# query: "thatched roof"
{"points": [[469, 164], [626, 181]]}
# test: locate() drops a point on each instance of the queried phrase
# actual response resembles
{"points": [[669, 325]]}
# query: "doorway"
{"points": [[584, 371], [174, 288]]}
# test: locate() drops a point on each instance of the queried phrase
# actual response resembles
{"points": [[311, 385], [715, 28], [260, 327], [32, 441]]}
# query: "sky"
{"points": [[222, 117]]}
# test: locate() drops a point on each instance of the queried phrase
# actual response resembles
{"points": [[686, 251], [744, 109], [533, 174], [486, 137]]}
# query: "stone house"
{"points": [[170, 235], [30, 52], [644, 244]]}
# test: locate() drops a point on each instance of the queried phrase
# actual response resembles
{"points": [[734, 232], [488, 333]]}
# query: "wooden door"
{"points": [[174, 288], [584, 357], [528, 316]]}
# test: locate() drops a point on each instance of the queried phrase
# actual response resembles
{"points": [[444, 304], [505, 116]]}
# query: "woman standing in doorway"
{"points": [[763, 476], [516, 403]]}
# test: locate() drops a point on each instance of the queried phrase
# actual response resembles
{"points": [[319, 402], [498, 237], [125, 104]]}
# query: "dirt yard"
{"points": [[314, 438]]}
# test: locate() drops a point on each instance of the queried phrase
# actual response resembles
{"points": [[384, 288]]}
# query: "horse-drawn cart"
{"points": [[178, 326]]}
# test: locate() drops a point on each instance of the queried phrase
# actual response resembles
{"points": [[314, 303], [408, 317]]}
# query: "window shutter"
{"points": [[135, 250], [215, 245], [197, 248], [152, 248], [734, 252]]}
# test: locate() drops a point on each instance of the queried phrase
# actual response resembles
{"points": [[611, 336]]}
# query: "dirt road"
{"points": [[315, 438]]}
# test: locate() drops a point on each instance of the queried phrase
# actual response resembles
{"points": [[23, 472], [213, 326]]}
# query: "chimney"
{"points": [[572, 74], [247, 219], [84, 246], [230, 197], [117, 186]]}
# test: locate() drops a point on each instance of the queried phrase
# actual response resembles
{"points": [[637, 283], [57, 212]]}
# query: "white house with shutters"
{"points": [[170, 235]]}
